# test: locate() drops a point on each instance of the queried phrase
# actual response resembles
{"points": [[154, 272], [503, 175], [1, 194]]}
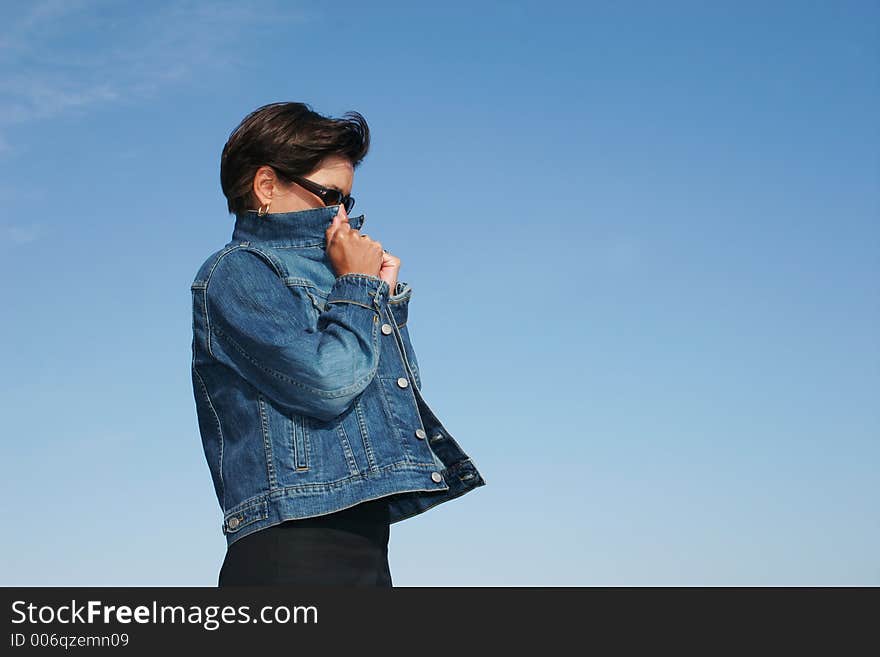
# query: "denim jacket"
{"points": [[307, 388]]}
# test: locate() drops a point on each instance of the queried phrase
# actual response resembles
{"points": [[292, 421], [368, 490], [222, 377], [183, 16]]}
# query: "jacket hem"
{"points": [[410, 492]]}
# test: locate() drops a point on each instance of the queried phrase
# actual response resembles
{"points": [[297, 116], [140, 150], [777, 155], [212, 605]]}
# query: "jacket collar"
{"points": [[300, 227]]}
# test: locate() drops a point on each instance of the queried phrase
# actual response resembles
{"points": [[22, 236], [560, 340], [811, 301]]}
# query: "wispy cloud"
{"points": [[62, 56]]}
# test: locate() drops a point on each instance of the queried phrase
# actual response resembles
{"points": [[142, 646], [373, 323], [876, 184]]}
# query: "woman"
{"points": [[307, 386]]}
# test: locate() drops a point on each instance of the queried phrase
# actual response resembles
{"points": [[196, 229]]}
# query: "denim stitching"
{"points": [[300, 448], [346, 448], [267, 443], [365, 435], [219, 431]]}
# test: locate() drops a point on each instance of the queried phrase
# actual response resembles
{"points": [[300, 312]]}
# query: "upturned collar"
{"points": [[301, 227]]}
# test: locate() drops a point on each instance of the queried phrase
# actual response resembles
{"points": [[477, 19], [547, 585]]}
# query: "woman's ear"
{"points": [[264, 185]]}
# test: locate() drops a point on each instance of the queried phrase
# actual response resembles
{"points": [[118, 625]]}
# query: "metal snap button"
{"points": [[402, 382], [436, 477], [233, 522], [420, 434], [386, 329]]}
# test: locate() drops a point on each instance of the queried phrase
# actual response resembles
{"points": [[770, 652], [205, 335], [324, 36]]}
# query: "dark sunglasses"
{"points": [[327, 195]]}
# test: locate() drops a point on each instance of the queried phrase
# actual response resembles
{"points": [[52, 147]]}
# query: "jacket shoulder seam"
{"points": [[273, 262]]}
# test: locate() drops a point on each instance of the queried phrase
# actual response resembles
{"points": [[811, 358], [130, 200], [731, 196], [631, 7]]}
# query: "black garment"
{"points": [[346, 548]]}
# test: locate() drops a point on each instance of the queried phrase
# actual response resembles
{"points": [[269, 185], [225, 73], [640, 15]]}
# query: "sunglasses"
{"points": [[327, 195]]}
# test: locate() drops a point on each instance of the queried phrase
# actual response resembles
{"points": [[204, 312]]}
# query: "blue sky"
{"points": [[643, 244]]}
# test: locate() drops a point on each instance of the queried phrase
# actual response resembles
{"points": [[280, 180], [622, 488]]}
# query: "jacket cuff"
{"points": [[360, 289], [399, 302]]}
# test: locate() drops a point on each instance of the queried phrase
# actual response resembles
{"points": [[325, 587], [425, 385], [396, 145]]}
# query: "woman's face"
{"points": [[334, 171]]}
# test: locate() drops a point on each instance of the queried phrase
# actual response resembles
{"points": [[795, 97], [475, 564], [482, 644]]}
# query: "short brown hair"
{"points": [[293, 140]]}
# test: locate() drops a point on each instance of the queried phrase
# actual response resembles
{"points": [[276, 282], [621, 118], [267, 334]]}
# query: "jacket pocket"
{"points": [[299, 439]]}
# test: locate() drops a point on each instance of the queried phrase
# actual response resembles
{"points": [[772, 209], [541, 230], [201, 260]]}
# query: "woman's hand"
{"points": [[349, 251], [389, 270]]}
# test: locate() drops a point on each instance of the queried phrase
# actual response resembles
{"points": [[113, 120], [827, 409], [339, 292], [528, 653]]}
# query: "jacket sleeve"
{"points": [[398, 304], [272, 336]]}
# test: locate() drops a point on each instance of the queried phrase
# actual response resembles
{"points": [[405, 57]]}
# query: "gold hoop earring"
{"points": [[264, 209]]}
